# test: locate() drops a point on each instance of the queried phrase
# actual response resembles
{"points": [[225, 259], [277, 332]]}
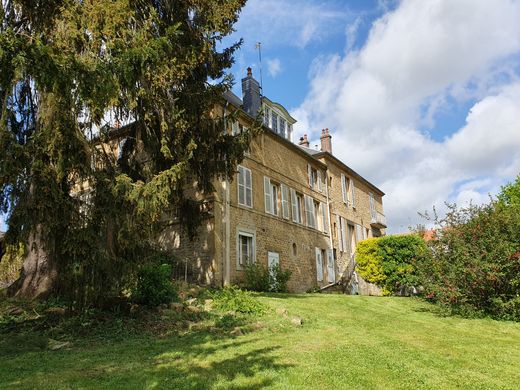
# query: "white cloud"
{"points": [[282, 22], [274, 67], [415, 60]]}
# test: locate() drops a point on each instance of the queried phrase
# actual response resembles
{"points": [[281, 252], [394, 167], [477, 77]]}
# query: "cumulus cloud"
{"points": [[274, 67], [417, 58]]}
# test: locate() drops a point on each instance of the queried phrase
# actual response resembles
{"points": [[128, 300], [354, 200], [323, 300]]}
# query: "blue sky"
{"points": [[422, 97]]}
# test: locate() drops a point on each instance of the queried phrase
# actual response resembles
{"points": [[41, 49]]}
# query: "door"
{"points": [[331, 274], [319, 265], [273, 260]]}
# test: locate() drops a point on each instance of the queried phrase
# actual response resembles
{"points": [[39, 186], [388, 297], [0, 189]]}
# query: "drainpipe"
{"points": [[226, 274], [329, 216]]}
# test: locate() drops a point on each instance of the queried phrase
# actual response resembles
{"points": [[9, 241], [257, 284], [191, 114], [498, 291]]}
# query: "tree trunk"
{"points": [[39, 274]]}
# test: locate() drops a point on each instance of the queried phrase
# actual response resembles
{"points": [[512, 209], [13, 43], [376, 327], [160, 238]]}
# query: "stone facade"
{"points": [[288, 204]]}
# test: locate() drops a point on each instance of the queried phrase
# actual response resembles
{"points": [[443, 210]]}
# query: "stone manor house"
{"points": [[289, 204]]}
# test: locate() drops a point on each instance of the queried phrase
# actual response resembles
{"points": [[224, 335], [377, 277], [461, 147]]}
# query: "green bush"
{"points": [[233, 299], [262, 278], [11, 262], [154, 285], [369, 261], [390, 262], [469, 268]]}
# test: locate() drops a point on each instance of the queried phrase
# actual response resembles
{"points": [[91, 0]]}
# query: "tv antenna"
{"points": [[258, 46]]}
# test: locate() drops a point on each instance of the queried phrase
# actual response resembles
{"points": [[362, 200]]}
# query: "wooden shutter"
{"points": [[294, 203], [353, 191], [248, 188], [344, 188], [344, 227], [359, 233], [285, 201], [309, 172], [268, 198], [338, 228], [319, 265], [331, 272], [325, 218], [319, 180]]}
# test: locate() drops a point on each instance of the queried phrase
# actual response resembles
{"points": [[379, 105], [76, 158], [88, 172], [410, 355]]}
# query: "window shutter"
{"points": [[319, 265], [353, 189], [285, 201], [344, 188], [268, 199], [319, 180], [235, 128], [294, 206], [248, 188], [309, 172], [325, 218], [359, 233], [331, 272], [340, 239], [344, 227]]}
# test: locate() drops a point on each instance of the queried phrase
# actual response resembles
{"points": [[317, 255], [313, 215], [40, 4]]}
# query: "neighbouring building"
{"points": [[289, 204]]}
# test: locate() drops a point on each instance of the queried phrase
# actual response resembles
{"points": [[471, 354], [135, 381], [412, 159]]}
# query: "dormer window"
{"points": [[274, 122]]}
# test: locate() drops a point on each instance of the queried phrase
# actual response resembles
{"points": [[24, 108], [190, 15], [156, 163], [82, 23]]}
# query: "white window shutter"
{"points": [[359, 233], [331, 272], [249, 188], [309, 172], [325, 218], [338, 228], [294, 206], [319, 180], [285, 201], [319, 265], [344, 188], [353, 189], [267, 196], [344, 227]]}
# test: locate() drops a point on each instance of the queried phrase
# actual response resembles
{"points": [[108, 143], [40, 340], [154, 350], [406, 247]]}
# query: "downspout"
{"points": [[329, 216], [226, 260]]}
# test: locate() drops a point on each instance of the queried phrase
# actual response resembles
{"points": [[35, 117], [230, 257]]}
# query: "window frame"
{"points": [[249, 234]]}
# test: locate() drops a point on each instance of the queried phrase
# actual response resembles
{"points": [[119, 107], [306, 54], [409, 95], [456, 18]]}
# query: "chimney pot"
{"points": [[249, 72]]}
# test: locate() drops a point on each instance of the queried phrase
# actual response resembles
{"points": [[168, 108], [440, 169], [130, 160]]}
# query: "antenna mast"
{"points": [[258, 46]]}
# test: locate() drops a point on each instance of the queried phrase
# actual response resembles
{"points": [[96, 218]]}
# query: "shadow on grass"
{"points": [[198, 361]]}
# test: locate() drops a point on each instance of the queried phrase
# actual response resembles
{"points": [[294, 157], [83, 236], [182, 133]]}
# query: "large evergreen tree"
{"points": [[66, 67]]}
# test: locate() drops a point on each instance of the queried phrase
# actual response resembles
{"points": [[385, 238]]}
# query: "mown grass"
{"points": [[345, 342]]}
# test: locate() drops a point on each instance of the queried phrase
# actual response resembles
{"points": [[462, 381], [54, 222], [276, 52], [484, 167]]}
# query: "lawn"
{"points": [[345, 342]]}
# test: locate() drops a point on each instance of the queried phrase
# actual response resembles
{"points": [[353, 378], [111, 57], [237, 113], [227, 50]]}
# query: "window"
{"points": [[314, 177], [245, 187], [267, 115], [245, 249], [319, 180], [296, 203], [282, 127], [237, 128], [310, 213], [271, 191], [285, 201], [274, 121]]}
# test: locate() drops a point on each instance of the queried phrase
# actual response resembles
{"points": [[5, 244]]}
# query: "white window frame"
{"points": [[244, 187], [249, 234]]}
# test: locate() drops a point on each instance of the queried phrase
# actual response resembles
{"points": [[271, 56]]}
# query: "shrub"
{"points": [[470, 268], [154, 285], [232, 299], [262, 278], [390, 262]]}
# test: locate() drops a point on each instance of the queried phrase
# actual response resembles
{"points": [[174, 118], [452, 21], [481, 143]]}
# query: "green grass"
{"points": [[345, 342]]}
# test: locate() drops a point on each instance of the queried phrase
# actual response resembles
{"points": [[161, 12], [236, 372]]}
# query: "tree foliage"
{"points": [[471, 267], [71, 72]]}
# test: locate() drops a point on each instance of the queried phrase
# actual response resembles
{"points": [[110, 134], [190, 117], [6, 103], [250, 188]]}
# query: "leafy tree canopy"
{"points": [[71, 72]]}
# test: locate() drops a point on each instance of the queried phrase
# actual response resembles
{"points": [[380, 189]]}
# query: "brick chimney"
{"points": [[326, 144], [304, 141], [251, 94]]}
